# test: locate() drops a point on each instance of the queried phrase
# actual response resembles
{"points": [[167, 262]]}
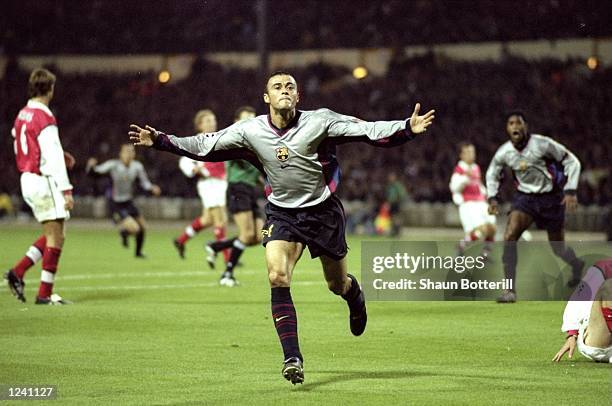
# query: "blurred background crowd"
{"points": [[563, 99]]}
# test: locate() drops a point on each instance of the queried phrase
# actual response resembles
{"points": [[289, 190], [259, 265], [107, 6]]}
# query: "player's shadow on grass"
{"points": [[343, 376]]}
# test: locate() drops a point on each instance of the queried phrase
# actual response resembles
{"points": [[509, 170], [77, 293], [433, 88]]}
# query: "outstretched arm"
{"points": [[220, 146], [379, 133]]}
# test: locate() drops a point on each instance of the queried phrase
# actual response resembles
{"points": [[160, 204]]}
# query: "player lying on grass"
{"points": [[587, 320], [546, 177], [297, 152], [124, 172], [45, 186]]}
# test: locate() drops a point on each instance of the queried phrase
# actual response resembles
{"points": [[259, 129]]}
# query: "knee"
{"points": [[511, 235], [339, 287], [249, 238], [605, 293], [278, 277]]}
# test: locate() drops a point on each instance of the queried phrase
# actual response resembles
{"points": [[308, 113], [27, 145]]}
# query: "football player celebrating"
{"points": [[297, 151]]}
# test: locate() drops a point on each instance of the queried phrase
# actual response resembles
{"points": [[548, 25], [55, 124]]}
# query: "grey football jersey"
{"points": [[542, 166], [299, 161], [123, 178]]}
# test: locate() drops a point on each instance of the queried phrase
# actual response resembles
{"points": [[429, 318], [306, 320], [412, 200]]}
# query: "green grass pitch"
{"points": [[161, 331]]}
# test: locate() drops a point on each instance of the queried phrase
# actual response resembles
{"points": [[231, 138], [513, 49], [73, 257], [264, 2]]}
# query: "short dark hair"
{"points": [[41, 82], [276, 73], [241, 110], [463, 144], [511, 113]]}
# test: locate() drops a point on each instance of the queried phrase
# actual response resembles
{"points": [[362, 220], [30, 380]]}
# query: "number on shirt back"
{"points": [[23, 140]]}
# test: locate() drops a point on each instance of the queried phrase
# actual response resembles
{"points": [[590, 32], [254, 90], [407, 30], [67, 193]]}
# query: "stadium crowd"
{"points": [[470, 98], [106, 26]]}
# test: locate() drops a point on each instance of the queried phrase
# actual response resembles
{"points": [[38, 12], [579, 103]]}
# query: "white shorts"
{"points": [[474, 215], [43, 197], [592, 353], [212, 191]]}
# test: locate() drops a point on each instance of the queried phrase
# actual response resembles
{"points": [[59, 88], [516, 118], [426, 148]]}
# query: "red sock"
{"points": [[220, 235], [32, 256], [50, 259], [191, 230], [607, 313]]}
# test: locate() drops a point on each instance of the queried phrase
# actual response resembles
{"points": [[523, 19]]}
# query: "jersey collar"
{"points": [[280, 132], [33, 104]]}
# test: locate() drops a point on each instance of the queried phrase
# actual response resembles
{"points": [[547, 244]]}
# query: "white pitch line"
{"points": [[156, 287]]}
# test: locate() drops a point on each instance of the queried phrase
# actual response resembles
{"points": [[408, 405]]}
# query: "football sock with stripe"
{"points": [[285, 321], [50, 260], [32, 256], [238, 248]]}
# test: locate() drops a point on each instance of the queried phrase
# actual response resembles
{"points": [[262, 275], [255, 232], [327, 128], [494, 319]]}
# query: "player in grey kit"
{"points": [[546, 175], [124, 172], [296, 151]]}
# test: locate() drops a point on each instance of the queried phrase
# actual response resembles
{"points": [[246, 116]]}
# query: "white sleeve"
{"points": [[105, 167], [52, 157], [575, 311], [186, 165], [458, 182], [145, 183]]}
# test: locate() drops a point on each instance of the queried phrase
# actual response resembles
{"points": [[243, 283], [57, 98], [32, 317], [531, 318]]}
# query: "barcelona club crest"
{"points": [[282, 153]]}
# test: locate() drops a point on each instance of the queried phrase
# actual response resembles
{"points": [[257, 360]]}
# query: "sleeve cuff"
{"points": [[571, 192], [67, 192], [492, 200], [572, 333]]}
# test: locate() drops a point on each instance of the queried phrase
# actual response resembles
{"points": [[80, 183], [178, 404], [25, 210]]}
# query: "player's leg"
{"points": [[53, 231], [345, 285], [599, 331], [247, 236], [219, 220], [140, 235], [281, 257], [197, 225], [556, 238], [518, 221], [15, 275]]}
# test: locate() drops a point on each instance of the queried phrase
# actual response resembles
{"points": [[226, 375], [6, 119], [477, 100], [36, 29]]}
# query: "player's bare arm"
{"points": [[144, 137], [419, 124]]}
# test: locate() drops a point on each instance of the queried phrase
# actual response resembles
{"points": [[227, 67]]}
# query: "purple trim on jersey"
{"points": [[282, 131], [329, 163], [163, 143], [267, 187]]}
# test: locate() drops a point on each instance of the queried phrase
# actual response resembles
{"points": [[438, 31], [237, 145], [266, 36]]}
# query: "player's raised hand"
{"points": [[142, 136], [569, 346], [419, 124]]}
